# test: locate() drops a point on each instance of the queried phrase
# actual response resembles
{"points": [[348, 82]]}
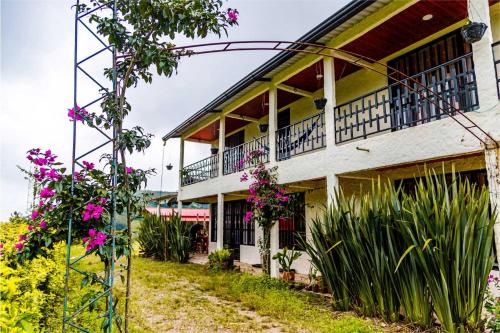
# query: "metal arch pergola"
{"points": [[196, 49]]}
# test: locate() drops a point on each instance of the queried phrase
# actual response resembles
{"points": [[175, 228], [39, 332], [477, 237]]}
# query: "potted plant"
{"points": [[285, 260], [220, 259], [169, 166], [473, 31], [214, 150], [320, 103], [263, 128]]}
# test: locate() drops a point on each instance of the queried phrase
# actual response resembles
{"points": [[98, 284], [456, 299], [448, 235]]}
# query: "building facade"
{"points": [[387, 115]]}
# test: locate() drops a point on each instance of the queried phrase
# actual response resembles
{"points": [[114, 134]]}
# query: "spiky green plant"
{"points": [[165, 238], [389, 253]]}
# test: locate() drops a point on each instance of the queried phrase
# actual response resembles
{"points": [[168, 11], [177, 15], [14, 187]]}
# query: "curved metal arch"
{"points": [[331, 52]]}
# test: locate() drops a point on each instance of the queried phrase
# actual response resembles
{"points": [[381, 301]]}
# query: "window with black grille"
{"points": [[294, 227], [213, 222]]}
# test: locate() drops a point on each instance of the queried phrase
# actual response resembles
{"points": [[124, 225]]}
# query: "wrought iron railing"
{"points": [[238, 158], [496, 61], [448, 87], [306, 135], [200, 171]]}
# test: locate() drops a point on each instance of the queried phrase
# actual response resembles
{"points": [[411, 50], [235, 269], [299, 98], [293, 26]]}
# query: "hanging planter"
{"points": [[320, 103], [263, 128], [473, 31], [169, 166], [214, 150]]}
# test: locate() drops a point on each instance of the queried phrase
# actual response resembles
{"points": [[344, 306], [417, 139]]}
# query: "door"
{"points": [[411, 103], [233, 155], [283, 137], [236, 231]]}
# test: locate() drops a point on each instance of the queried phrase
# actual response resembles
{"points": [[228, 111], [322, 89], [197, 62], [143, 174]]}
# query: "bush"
{"points": [[164, 238], [220, 259], [31, 293], [418, 254]]}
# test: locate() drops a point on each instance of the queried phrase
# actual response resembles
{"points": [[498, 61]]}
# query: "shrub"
{"points": [[31, 292], [220, 259], [165, 238], [418, 254]]}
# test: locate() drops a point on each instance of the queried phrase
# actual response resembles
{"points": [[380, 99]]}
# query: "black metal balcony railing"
{"points": [[237, 158], [306, 135], [496, 62], [396, 107], [200, 171]]}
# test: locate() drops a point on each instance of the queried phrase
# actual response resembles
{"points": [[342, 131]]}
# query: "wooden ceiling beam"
{"points": [[294, 90]]}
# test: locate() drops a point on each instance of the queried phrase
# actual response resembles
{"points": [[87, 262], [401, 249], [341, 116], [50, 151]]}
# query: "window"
{"points": [[213, 222], [294, 227]]}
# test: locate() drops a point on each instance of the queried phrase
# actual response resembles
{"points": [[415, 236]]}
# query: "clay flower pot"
{"points": [[288, 276]]}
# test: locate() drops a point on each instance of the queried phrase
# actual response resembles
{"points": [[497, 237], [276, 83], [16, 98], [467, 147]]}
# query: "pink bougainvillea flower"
{"points": [[1, 246], [30, 227], [22, 237], [97, 212], [19, 246], [92, 233], [43, 224], [40, 161], [232, 14], [95, 239], [129, 170], [80, 113], [88, 165], [103, 201], [34, 214], [47, 193], [52, 174], [248, 216], [244, 177], [78, 176]]}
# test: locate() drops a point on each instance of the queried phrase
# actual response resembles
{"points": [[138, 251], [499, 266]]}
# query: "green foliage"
{"points": [[29, 291], [219, 259], [286, 258], [165, 238], [390, 252]]}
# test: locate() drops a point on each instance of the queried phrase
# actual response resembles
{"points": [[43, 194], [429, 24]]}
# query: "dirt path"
{"points": [[168, 303]]}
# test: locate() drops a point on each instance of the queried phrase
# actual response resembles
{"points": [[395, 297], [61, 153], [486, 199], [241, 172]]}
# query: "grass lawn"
{"points": [[187, 298]]}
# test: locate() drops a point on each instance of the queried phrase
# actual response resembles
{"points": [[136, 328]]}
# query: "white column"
{"points": [[181, 160], [179, 208], [329, 94], [220, 221], [158, 209], [492, 156], [273, 122], [275, 247], [479, 11], [222, 141], [332, 184]]}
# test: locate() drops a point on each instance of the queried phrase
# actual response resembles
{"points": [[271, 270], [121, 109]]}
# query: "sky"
{"points": [[37, 43]]}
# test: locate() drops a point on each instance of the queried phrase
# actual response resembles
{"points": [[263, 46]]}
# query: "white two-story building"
{"points": [[376, 121]]}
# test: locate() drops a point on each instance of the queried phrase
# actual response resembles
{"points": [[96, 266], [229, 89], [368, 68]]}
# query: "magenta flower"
{"points": [[80, 113], [54, 175], [232, 15], [34, 215], [43, 224], [46, 193], [92, 211], [30, 227], [244, 177], [248, 216], [92, 233], [103, 201], [19, 246], [95, 238], [1, 246], [129, 170], [22, 238], [88, 165], [40, 161]]}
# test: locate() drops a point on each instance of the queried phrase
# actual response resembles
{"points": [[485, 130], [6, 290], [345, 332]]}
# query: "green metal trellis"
{"points": [[80, 17]]}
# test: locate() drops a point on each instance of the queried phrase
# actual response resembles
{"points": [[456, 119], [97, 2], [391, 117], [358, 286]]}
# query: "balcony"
{"points": [[236, 158], [427, 96], [301, 137], [200, 171]]}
